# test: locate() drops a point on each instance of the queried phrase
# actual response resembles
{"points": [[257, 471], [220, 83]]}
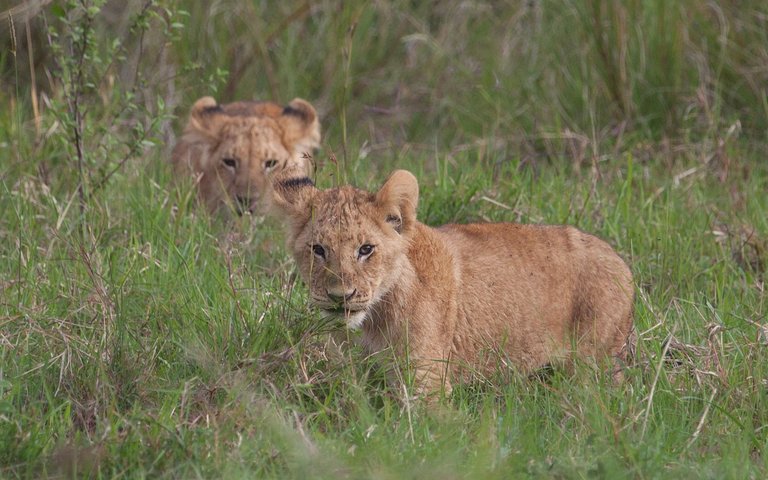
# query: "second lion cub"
{"points": [[457, 297]]}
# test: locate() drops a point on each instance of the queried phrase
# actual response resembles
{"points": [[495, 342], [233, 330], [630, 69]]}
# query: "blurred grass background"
{"points": [[142, 338]]}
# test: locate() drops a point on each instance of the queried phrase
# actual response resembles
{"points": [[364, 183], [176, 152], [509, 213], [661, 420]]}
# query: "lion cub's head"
{"points": [[350, 244], [232, 148]]}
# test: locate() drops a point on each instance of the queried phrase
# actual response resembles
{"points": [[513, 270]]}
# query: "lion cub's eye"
{"points": [[364, 250], [270, 164], [230, 162], [318, 250]]}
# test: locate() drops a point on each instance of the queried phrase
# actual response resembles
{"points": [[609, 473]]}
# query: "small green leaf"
{"points": [[58, 11]]}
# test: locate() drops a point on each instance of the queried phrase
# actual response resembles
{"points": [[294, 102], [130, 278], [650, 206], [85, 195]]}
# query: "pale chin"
{"points": [[353, 321]]}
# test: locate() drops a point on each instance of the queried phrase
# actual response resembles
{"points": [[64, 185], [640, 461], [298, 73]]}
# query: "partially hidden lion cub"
{"points": [[456, 298], [232, 148]]}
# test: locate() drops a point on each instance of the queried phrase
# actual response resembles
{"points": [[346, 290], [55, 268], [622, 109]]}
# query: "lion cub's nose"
{"points": [[339, 296], [244, 204]]}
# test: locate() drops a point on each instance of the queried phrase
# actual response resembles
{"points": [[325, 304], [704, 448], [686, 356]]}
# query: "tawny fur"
{"points": [[231, 149], [456, 298]]}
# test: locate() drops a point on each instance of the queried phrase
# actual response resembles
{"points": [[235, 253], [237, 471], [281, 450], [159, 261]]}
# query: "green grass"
{"points": [[141, 338]]}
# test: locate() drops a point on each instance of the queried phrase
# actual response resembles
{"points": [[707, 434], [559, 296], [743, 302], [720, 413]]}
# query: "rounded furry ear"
{"points": [[291, 191], [301, 126], [203, 103], [199, 134], [200, 115], [399, 197]]}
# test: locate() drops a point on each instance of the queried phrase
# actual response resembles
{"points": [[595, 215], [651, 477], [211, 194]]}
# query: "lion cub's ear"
{"points": [[398, 198], [291, 192], [301, 127], [201, 118]]}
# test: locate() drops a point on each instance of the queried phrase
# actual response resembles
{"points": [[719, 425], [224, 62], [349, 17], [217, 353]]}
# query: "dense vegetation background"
{"points": [[139, 337]]}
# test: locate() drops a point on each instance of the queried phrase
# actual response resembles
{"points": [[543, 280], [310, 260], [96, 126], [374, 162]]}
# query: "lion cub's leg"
{"points": [[625, 356], [431, 380], [603, 322], [431, 374], [413, 371]]}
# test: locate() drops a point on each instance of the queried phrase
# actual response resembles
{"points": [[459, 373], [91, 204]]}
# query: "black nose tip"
{"points": [[335, 297], [243, 204]]}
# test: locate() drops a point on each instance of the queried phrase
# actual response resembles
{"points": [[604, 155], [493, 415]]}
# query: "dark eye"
{"points": [[230, 162], [270, 164], [318, 250], [364, 250]]}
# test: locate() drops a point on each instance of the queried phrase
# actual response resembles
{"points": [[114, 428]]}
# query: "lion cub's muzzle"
{"points": [[340, 297], [341, 303], [244, 204]]}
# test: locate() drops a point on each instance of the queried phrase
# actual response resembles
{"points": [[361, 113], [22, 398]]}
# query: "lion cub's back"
{"points": [[560, 249], [524, 265], [541, 281]]}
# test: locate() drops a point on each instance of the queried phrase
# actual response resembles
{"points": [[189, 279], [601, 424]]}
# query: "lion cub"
{"points": [[232, 148], [456, 298]]}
